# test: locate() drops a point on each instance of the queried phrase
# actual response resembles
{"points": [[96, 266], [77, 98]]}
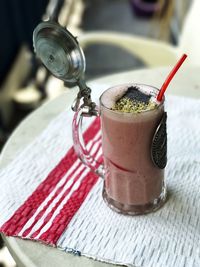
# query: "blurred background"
{"points": [[24, 82]]}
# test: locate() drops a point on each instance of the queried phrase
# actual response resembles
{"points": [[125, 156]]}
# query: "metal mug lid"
{"points": [[59, 51]]}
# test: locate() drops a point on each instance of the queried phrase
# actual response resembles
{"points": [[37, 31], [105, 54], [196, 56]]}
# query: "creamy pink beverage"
{"points": [[134, 177]]}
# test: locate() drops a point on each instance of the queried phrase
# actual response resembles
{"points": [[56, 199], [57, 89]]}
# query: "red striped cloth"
{"points": [[49, 209]]}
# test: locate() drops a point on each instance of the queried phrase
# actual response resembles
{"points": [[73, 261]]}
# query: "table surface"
{"points": [[32, 254]]}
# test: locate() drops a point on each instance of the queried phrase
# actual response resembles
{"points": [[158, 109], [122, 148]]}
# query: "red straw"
{"points": [[170, 77]]}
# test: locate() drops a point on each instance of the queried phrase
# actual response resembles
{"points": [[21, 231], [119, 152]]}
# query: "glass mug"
{"points": [[134, 149]]}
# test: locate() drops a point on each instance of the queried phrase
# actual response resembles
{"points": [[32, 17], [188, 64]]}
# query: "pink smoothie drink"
{"points": [[134, 184]]}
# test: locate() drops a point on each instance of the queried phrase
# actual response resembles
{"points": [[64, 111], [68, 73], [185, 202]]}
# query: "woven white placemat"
{"points": [[168, 237]]}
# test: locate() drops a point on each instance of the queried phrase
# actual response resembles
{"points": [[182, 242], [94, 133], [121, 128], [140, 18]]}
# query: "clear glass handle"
{"points": [[84, 153]]}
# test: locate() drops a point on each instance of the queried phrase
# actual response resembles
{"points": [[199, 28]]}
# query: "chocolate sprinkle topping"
{"points": [[134, 94], [134, 101]]}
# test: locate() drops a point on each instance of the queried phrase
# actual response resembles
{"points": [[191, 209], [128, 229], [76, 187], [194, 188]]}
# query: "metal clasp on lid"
{"points": [[84, 94]]}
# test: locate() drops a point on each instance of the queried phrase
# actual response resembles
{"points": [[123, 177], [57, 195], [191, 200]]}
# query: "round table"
{"points": [[32, 254]]}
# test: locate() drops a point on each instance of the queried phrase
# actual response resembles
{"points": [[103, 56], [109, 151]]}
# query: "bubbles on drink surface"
{"points": [[134, 101]]}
